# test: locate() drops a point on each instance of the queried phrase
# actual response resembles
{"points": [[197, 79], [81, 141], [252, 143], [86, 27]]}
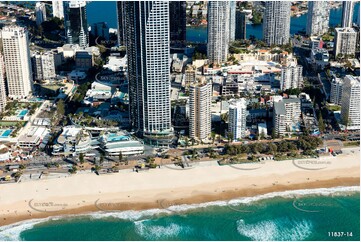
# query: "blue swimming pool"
{"points": [[114, 137], [5, 133], [23, 112]]}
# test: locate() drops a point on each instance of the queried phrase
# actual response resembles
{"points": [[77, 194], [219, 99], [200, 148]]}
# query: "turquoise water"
{"points": [[277, 216], [23, 112], [5, 133]]}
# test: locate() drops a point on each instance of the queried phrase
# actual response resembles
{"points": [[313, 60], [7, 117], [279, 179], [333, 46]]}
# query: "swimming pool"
{"points": [[22, 113], [5, 133], [114, 137]]}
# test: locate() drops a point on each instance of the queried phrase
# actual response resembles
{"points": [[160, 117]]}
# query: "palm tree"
{"points": [[120, 156]]}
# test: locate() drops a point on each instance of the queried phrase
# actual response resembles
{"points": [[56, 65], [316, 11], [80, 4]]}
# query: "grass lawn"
{"points": [[8, 123], [334, 108]]}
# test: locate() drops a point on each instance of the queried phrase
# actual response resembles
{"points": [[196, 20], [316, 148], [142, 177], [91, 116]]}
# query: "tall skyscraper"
{"points": [[17, 61], [237, 118], [318, 17], [200, 98], [120, 23], [347, 14], [240, 25], [146, 33], [2, 84], [345, 41], [350, 106], [276, 22], [177, 22], [291, 76], [40, 13], [232, 20], [58, 8], [218, 31], [76, 25]]}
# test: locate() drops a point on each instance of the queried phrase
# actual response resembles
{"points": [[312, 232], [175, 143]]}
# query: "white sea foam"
{"points": [[156, 232], [279, 229], [12, 232]]}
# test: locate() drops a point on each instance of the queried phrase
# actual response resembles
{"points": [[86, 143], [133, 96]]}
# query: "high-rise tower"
{"points": [[347, 14], [146, 34], [218, 31], [17, 61], [76, 25], [276, 22], [318, 17]]}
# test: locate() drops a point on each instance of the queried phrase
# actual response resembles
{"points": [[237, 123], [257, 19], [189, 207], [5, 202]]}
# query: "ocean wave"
{"points": [[12, 232], [156, 232], [279, 229]]}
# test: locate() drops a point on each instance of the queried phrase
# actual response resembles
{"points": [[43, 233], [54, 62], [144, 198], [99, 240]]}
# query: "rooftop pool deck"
{"points": [[113, 137]]}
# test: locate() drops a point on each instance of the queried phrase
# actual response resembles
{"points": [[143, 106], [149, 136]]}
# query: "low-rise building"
{"points": [[286, 115], [83, 60], [33, 137], [114, 143], [73, 141]]}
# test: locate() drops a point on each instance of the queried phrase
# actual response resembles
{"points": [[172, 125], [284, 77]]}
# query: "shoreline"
{"points": [[161, 188], [197, 200]]}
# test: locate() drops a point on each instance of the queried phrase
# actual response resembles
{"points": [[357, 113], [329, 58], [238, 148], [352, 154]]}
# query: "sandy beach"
{"points": [[161, 188]]}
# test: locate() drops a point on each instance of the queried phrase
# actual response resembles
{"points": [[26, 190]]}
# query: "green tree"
{"points": [[273, 148], [321, 124], [81, 158], [60, 108], [101, 159], [273, 133], [120, 156], [230, 137], [213, 136], [262, 135]]}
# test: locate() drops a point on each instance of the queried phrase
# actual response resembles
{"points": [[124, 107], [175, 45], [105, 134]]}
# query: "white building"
{"points": [[43, 66], [200, 98], [345, 41], [147, 42], [350, 106], [237, 118], [2, 84], [317, 18], [17, 61], [286, 115], [33, 137], [291, 76], [232, 20], [276, 22], [73, 141], [120, 142], [347, 14], [336, 90], [40, 13], [58, 9], [218, 31]]}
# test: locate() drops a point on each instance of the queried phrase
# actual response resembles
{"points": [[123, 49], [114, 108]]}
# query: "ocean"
{"points": [[199, 34], [315, 214]]}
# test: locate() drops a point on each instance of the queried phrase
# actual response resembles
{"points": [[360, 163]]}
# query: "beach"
{"points": [[169, 185]]}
